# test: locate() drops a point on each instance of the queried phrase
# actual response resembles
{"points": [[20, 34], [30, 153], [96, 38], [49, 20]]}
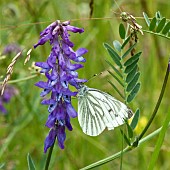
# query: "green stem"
{"points": [[108, 159], [49, 156], [161, 35], [139, 140], [157, 105], [21, 79], [127, 149]]}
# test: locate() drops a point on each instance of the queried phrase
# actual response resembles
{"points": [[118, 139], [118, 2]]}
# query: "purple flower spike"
{"points": [[60, 71]]}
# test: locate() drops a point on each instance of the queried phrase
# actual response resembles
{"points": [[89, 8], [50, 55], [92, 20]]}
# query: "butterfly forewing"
{"points": [[98, 110], [90, 117]]}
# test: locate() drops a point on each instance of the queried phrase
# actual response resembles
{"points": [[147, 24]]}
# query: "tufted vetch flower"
{"points": [[60, 69]]}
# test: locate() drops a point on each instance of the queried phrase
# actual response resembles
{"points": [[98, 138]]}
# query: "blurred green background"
{"points": [[22, 131]]}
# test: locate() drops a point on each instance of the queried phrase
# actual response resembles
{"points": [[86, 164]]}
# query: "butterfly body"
{"points": [[98, 110]]}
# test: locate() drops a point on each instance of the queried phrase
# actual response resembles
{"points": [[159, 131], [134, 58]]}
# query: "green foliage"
{"points": [[135, 119], [158, 25], [20, 24], [117, 45], [146, 19], [122, 31], [2, 165], [130, 130], [127, 72], [133, 93], [152, 24], [113, 55], [31, 165], [125, 138]]}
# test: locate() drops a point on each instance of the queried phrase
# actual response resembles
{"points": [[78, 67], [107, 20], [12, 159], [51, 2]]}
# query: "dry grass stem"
{"points": [[28, 56], [9, 71]]}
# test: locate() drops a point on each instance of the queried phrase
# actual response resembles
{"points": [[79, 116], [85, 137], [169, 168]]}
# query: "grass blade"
{"points": [[159, 142], [31, 165]]}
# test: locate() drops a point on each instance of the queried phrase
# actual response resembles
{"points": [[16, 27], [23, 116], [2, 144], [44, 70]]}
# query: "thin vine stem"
{"points": [[139, 140], [125, 150], [161, 35], [157, 105], [49, 156]]}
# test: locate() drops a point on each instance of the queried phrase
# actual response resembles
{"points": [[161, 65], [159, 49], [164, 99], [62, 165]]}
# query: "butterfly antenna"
{"points": [[95, 75], [118, 6]]}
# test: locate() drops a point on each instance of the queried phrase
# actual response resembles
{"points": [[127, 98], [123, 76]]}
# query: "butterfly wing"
{"points": [[90, 116], [98, 110]]}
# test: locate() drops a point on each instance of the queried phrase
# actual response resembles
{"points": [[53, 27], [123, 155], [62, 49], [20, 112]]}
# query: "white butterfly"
{"points": [[98, 110]]}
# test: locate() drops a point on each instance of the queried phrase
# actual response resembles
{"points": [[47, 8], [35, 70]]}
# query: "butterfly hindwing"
{"points": [[98, 110]]}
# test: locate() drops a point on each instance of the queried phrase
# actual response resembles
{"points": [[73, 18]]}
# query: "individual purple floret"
{"points": [[11, 48], [60, 71], [9, 92]]}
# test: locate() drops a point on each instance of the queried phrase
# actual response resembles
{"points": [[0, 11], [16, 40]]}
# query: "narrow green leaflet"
{"points": [[115, 88], [115, 69], [113, 55], [130, 67], [30, 162], [146, 19], [152, 24], [117, 45], [131, 74], [132, 59], [125, 137], [130, 130], [122, 31], [132, 84], [128, 51], [161, 25], [135, 119], [107, 46], [125, 42], [166, 28], [118, 80], [158, 15], [133, 93]]}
